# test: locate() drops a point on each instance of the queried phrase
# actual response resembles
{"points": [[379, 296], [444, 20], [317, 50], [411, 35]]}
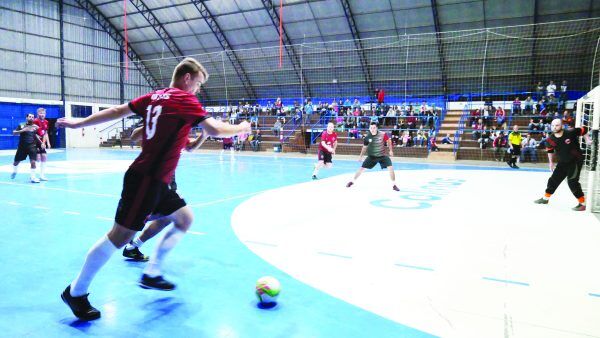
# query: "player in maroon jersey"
{"points": [[168, 115], [326, 149], [42, 132]]}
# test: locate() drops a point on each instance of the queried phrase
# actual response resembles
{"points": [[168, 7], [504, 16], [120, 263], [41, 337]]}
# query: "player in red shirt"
{"points": [[42, 132], [326, 149], [168, 115]]}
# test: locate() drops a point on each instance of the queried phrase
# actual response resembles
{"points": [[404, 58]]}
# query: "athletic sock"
{"points": [[581, 200], [98, 255], [32, 173], [547, 196], [15, 168], [166, 243], [42, 168], [136, 243]]}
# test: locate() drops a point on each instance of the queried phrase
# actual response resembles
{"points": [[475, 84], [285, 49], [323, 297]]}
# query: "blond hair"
{"points": [[41, 110], [189, 65]]}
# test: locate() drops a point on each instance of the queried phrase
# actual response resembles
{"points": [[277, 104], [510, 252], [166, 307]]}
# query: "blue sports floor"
{"points": [[248, 209]]}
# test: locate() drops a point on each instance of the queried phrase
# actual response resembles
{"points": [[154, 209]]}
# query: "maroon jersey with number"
{"points": [[168, 116], [329, 140], [42, 127]]}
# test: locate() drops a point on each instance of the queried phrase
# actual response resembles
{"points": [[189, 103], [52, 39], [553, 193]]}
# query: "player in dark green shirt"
{"points": [[374, 145]]}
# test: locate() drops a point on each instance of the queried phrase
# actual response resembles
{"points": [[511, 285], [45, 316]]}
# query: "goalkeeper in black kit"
{"points": [[565, 143]]}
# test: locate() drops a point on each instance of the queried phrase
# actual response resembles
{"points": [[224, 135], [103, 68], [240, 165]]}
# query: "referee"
{"points": [[565, 142], [514, 142]]}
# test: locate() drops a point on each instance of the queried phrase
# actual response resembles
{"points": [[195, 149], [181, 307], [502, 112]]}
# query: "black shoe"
{"points": [[155, 283], [349, 184], [314, 177], [395, 188], [135, 254], [579, 207], [515, 166], [80, 306], [509, 164], [541, 201]]}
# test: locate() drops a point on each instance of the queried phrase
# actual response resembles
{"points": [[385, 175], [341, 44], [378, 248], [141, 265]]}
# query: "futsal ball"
{"points": [[267, 290]]}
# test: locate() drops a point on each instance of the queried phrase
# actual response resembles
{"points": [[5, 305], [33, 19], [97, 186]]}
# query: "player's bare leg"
{"points": [[75, 295], [41, 160], [356, 176], [318, 166], [152, 277], [393, 178], [132, 250], [33, 177]]}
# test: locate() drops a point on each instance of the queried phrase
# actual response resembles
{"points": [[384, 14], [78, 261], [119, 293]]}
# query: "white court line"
{"points": [[72, 212], [13, 203], [104, 218], [203, 204], [60, 189], [196, 233], [41, 207]]}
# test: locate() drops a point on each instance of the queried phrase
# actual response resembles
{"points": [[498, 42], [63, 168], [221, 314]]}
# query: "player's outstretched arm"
{"points": [[112, 113], [216, 128]]}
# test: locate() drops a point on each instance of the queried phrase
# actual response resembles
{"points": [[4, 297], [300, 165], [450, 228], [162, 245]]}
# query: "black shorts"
{"points": [[370, 162], [41, 150], [24, 151], [143, 198], [516, 150], [325, 156]]}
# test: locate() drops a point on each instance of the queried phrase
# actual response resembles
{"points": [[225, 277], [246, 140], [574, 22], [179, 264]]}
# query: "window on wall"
{"points": [[81, 111]]}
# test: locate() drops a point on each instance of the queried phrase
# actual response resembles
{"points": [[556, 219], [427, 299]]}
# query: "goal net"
{"points": [[588, 115]]}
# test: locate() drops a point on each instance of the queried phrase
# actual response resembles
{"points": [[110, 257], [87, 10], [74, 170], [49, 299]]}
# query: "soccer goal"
{"points": [[588, 115]]}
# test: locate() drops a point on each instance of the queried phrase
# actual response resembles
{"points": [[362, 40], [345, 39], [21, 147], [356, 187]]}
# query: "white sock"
{"points": [[546, 198], [316, 171], [166, 243], [42, 168], [136, 243], [15, 167], [37, 165], [32, 173], [96, 258]]}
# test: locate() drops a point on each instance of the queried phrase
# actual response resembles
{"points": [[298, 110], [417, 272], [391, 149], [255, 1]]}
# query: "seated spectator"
{"points": [[412, 121], [396, 135], [484, 140], [500, 144], [447, 139], [477, 128], [432, 144], [390, 117], [233, 117], [353, 132], [563, 96], [474, 116], [488, 102], [254, 120], [529, 146], [419, 138], [255, 140], [516, 106], [532, 126], [277, 127], [552, 104], [356, 104], [500, 117], [528, 106]]}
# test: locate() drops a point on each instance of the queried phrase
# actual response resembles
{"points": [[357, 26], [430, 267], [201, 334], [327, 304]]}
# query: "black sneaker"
{"points": [[155, 283], [515, 166], [541, 201], [395, 188], [314, 177], [579, 207], [509, 164], [349, 184], [80, 306], [135, 254]]}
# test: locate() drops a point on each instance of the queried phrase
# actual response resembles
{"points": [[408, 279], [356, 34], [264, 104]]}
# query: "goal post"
{"points": [[588, 115]]}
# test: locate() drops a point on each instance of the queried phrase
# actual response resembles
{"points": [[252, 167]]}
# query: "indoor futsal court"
{"points": [[300, 168]]}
